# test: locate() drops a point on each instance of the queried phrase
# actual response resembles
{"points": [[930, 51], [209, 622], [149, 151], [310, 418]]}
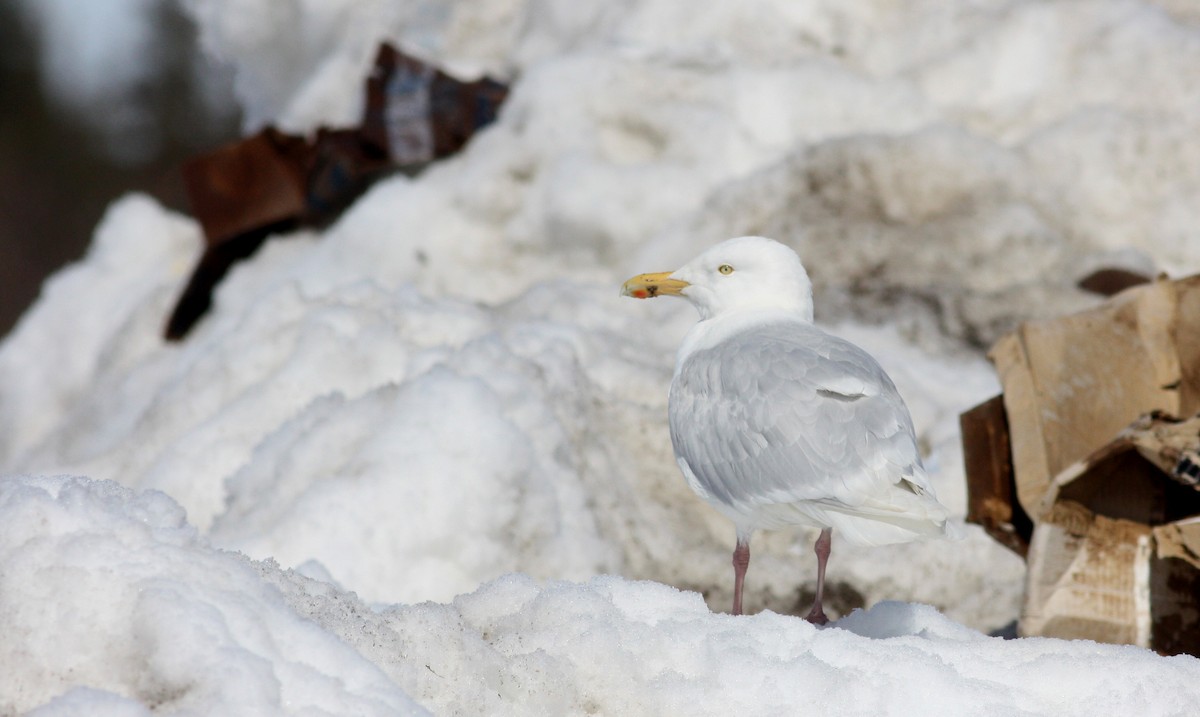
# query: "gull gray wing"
{"points": [[786, 413]]}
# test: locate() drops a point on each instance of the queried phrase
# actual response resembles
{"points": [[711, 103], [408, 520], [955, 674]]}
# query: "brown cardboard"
{"points": [[1175, 587], [1071, 384], [1142, 474], [1169, 444], [1108, 475], [1088, 578], [991, 488], [1179, 540], [1129, 579]]}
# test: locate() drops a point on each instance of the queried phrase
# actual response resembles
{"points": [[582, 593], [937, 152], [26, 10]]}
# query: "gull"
{"points": [[777, 423]]}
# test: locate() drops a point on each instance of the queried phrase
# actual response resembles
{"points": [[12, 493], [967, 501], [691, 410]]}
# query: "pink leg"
{"points": [[741, 561], [816, 615]]}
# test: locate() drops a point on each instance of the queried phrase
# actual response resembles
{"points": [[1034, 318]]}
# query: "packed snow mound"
{"points": [[149, 618], [1090, 94], [415, 447], [612, 646], [444, 387], [111, 603], [442, 393], [966, 164], [951, 234]]}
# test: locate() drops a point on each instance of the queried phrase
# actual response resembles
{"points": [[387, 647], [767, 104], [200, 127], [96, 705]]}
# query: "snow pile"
{"points": [[152, 619], [1006, 148], [444, 387], [412, 447], [113, 590]]}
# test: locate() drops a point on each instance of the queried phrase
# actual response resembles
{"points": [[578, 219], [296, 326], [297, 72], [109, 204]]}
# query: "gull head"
{"points": [[742, 274]]}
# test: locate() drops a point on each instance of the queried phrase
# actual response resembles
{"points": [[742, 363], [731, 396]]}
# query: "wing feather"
{"points": [[786, 413]]}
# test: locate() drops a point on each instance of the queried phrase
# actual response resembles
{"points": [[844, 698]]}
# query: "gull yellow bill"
{"points": [[648, 286]]}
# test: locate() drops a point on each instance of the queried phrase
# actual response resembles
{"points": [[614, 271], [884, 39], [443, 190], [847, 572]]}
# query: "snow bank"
{"points": [[148, 617], [416, 446], [110, 601], [444, 388], [1008, 130]]}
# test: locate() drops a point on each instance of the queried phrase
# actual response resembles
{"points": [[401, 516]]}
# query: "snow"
{"points": [[141, 607], [157, 619], [419, 460]]}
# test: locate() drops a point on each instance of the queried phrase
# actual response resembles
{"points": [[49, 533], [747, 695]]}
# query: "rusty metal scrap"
{"points": [[418, 113], [273, 182]]}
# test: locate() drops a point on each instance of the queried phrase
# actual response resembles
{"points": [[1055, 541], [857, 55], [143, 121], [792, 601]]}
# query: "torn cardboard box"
{"points": [[1071, 384], [1113, 553], [1105, 474]]}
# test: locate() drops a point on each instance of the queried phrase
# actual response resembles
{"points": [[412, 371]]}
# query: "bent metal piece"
{"points": [[272, 182]]}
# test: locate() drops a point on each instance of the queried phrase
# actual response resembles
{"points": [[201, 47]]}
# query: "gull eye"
{"points": [[725, 269]]}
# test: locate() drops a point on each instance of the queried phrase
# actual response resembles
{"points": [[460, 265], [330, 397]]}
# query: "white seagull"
{"points": [[777, 423]]}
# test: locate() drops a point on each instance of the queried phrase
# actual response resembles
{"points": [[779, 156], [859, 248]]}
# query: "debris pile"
{"points": [[1088, 466]]}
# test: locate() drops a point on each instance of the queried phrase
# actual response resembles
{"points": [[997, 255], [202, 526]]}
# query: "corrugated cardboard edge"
{"points": [[1030, 465], [1187, 342]]}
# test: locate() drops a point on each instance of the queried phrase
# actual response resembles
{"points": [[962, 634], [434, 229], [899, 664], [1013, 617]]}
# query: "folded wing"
{"points": [[785, 421]]}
